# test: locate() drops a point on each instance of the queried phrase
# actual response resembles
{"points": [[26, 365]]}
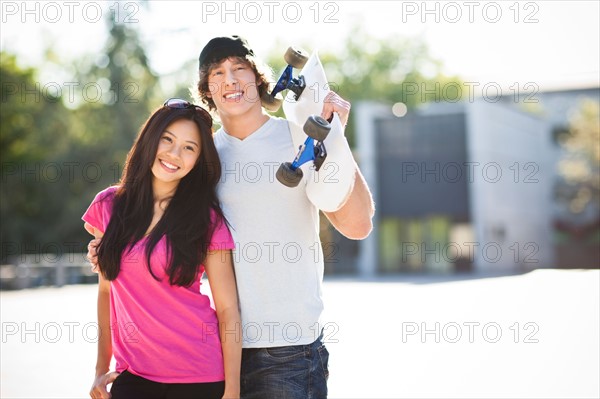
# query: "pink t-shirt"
{"points": [[160, 332]]}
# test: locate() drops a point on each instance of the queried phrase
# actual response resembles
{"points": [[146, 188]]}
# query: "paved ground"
{"points": [[534, 335]]}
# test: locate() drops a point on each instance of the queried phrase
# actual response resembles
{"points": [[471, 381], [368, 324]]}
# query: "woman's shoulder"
{"points": [[106, 194], [215, 218]]}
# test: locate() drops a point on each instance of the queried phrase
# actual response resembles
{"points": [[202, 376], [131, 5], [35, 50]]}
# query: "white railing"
{"points": [[33, 270]]}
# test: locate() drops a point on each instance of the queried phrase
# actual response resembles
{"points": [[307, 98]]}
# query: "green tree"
{"points": [[58, 153], [128, 91], [33, 131], [580, 166], [107, 125]]}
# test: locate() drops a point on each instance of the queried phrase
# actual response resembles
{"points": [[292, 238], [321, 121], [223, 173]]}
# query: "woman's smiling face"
{"points": [[178, 151]]}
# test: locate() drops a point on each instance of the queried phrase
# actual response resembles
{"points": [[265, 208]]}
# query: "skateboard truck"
{"points": [[313, 149], [295, 58]]}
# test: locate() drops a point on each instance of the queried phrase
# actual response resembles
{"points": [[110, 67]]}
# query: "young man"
{"points": [[278, 260]]}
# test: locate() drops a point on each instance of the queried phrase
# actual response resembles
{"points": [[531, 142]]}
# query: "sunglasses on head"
{"points": [[178, 103]]}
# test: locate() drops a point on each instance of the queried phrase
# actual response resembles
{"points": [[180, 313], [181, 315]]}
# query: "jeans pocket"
{"points": [[284, 352], [324, 358]]}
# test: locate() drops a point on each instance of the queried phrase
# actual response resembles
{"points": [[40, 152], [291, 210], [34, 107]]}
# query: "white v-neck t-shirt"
{"points": [[278, 258]]}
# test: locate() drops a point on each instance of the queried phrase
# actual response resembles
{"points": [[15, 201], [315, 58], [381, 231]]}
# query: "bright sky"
{"points": [[554, 44]]}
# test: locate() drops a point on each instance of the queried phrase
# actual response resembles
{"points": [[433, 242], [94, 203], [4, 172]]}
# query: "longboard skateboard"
{"points": [[302, 106]]}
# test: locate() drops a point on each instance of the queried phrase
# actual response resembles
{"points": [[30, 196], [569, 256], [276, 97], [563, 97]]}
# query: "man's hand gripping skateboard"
{"points": [[310, 104]]}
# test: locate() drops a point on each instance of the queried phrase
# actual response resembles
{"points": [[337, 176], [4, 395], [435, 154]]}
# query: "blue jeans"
{"points": [[285, 372]]}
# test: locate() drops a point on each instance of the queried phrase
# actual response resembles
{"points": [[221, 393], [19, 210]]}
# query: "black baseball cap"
{"points": [[222, 47]]}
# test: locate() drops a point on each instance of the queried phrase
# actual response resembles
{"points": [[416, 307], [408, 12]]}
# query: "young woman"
{"points": [[161, 228]]}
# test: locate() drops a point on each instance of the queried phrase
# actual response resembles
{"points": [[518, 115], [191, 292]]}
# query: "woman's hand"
{"points": [[92, 255], [98, 390]]}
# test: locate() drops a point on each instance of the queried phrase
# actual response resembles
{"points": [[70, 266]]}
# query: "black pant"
{"points": [[131, 386]]}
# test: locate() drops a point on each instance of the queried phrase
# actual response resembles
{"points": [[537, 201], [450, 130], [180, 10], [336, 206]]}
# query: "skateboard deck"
{"points": [[311, 100]]}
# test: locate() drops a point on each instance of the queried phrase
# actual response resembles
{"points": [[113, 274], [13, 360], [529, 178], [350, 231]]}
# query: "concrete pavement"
{"points": [[534, 335]]}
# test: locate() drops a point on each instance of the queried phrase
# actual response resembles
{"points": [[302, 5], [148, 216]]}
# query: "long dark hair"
{"points": [[186, 222]]}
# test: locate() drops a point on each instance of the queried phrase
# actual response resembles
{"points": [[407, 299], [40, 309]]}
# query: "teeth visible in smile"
{"points": [[233, 95], [169, 165]]}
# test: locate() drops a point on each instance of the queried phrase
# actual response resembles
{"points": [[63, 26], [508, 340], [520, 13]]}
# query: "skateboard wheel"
{"points": [[295, 57], [317, 127], [272, 104], [287, 176]]}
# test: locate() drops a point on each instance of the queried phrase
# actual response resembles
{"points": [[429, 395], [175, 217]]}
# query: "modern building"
{"points": [[460, 186]]}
